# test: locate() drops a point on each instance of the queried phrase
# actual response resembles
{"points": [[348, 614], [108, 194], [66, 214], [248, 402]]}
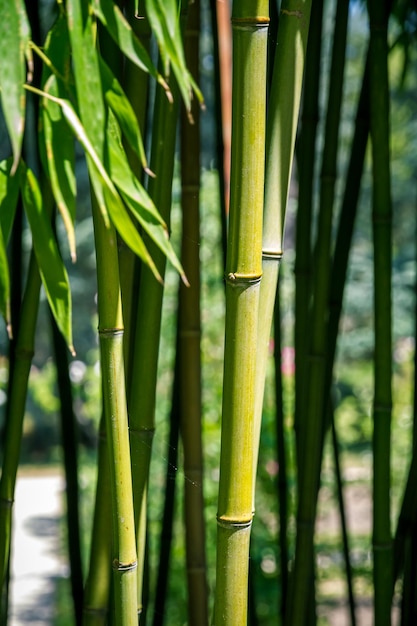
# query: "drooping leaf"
{"points": [[164, 18], [138, 201], [9, 193], [90, 100], [58, 156], [14, 51], [121, 32], [52, 270], [121, 107]]}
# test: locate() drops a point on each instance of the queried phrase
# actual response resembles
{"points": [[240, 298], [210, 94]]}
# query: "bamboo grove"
{"points": [[119, 83]]}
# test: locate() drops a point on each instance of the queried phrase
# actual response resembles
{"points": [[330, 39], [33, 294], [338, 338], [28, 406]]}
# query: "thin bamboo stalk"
{"points": [[190, 337], [303, 244], [70, 452], [16, 407], [136, 86], [381, 218], [282, 459], [97, 587], [169, 501], [243, 273], [312, 425], [148, 324], [124, 561]]}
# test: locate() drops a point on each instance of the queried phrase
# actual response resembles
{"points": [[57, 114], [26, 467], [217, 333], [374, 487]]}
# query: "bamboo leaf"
{"points": [[138, 201], [59, 160], [121, 107], [14, 48], [165, 23], [121, 32], [126, 228], [52, 270], [9, 193]]}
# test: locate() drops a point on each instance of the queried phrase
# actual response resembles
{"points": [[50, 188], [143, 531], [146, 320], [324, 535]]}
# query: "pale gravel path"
{"points": [[35, 549]]}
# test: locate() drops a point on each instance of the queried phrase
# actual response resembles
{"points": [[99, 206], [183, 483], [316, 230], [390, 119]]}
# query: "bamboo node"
{"points": [[5, 503], [298, 14], [110, 332], [230, 524], [244, 279], [124, 567], [257, 21], [275, 255]]}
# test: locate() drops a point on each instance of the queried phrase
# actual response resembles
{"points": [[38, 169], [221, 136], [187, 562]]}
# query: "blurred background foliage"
{"points": [[353, 380]]}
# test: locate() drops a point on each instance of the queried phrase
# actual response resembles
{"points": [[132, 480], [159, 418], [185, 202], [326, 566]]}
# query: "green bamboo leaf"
{"points": [[165, 23], [126, 228], [52, 270], [121, 32], [9, 193], [138, 201], [58, 156], [5, 286], [121, 107], [14, 48]]}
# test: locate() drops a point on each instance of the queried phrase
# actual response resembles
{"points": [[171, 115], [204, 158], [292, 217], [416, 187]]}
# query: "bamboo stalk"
{"points": [[312, 425], [243, 273], [283, 111], [169, 501], [222, 53], [97, 587], [381, 218], [148, 323], [190, 337], [124, 561], [16, 407], [303, 245], [281, 459], [69, 433]]}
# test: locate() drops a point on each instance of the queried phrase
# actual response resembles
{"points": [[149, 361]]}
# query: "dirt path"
{"points": [[35, 549]]}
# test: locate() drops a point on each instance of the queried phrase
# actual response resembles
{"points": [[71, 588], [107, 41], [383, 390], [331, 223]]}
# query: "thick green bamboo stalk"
{"points": [[381, 217], [124, 561], [283, 111], [97, 587], [16, 407], [190, 338], [243, 273], [311, 425], [148, 324]]}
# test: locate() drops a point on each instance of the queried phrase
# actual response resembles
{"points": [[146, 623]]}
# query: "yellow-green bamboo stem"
{"points": [[382, 217], [283, 111], [243, 274], [16, 407], [97, 588], [124, 562], [189, 336], [148, 324]]}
